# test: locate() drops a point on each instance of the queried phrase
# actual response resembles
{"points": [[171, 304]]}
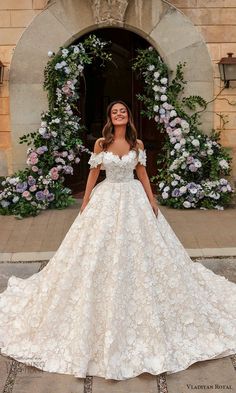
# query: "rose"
{"points": [[54, 173]]}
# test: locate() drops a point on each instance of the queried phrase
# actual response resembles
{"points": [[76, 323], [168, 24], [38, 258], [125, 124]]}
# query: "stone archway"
{"points": [[64, 21]]}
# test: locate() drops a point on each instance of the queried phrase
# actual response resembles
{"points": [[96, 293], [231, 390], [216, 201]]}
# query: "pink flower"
{"points": [[35, 168], [54, 173], [33, 188]]}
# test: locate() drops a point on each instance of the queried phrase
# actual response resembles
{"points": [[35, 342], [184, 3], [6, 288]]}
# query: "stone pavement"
{"points": [[202, 232], [26, 246]]}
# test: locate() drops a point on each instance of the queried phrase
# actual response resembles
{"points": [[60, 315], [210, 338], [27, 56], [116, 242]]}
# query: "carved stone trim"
{"points": [[108, 10]]}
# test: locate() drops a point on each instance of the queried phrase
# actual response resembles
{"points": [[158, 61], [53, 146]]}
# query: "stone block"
{"points": [[218, 33], [27, 103], [184, 3], [39, 4], [215, 3], [198, 64], [211, 16], [215, 51], [226, 105], [212, 372], [22, 18], [174, 32], [5, 123], [228, 138], [5, 139], [15, 4], [231, 121], [226, 48], [6, 53], [4, 89], [144, 15], [11, 35], [74, 16], [3, 162], [5, 18], [37, 32], [142, 383], [4, 106]]}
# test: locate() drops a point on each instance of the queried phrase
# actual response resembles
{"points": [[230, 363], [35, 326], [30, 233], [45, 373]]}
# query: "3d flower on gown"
{"points": [[120, 296]]}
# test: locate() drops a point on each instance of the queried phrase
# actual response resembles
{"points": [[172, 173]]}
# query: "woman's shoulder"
{"points": [[140, 144], [98, 145]]}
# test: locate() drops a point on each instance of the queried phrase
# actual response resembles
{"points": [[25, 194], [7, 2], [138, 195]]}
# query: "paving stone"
{"points": [[5, 365], [22, 270], [144, 383], [32, 380], [213, 376], [223, 266]]}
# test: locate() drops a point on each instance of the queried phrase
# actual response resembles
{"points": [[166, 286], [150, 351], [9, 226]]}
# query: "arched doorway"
{"points": [[102, 86]]}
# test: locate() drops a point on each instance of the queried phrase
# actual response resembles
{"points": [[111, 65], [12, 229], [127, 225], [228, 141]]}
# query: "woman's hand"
{"points": [[153, 203], [84, 204]]}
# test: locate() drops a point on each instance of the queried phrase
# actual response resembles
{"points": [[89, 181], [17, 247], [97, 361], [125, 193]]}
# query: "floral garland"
{"points": [[56, 144], [193, 164]]}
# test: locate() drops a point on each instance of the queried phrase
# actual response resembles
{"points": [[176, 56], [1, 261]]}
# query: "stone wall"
{"points": [[15, 16], [214, 19]]}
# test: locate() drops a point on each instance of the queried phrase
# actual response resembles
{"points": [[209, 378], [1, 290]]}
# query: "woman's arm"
{"points": [[92, 177], [143, 177]]}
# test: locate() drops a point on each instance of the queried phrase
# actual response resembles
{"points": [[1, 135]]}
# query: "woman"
{"points": [[121, 296]]}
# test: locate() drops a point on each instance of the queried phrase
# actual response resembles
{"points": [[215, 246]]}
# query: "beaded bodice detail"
{"points": [[118, 169]]}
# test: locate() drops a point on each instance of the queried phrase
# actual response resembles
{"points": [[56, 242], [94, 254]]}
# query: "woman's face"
{"points": [[119, 114]]}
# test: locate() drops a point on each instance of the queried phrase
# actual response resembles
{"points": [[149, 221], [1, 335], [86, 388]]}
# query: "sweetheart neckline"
{"points": [[117, 155]]}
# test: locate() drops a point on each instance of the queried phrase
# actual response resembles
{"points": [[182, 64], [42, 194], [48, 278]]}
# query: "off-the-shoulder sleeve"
{"points": [[95, 160], [142, 157]]}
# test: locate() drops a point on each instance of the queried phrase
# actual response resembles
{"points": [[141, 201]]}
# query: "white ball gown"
{"points": [[120, 296]]}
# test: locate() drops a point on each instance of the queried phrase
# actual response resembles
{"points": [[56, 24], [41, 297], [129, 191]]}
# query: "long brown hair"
{"points": [[108, 129]]}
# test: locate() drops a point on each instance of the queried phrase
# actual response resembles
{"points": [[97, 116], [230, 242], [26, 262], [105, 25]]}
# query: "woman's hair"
{"points": [[108, 129]]}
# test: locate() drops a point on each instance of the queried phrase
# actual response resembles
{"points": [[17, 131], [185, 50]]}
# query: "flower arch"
{"points": [[56, 145], [193, 164]]}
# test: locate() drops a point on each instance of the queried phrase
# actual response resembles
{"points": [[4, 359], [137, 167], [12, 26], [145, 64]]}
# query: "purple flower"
{"points": [[68, 169], [40, 196], [193, 168], [50, 197], [31, 180], [41, 149], [190, 160], [175, 192], [21, 187]]}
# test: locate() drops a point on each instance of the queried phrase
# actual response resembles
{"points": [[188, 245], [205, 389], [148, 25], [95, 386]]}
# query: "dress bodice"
{"points": [[118, 169]]}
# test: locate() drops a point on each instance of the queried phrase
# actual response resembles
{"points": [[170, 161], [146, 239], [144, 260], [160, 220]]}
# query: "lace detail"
{"points": [[121, 296]]}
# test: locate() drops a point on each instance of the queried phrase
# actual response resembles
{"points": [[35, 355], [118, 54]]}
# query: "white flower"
{"points": [[151, 67], [167, 188], [42, 130], [165, 195], [185, 153], [183, 189], [54, 133], [174, 183], [67, 70], [173, 140], [173, 113], [164, 81], [177, 146], [155, 88], [57, 120], [156, 108], [50, 53], [195, 142], [223, 164], [187, 204], [161, 185], [197, 163], [163, 97], [156, 74], [182, 141], [162, 89], [157, 97], [80, 68], [65, 52], [210, 152]]}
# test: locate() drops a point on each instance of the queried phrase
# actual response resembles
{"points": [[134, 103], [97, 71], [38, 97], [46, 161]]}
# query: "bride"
{"points": [[120, 296]]}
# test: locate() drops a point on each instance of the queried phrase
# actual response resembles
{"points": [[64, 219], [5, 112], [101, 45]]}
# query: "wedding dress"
{"points": [[121, 295]]}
